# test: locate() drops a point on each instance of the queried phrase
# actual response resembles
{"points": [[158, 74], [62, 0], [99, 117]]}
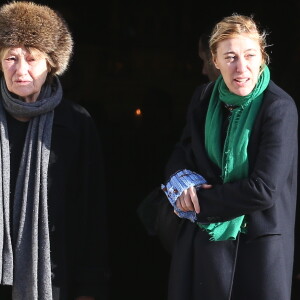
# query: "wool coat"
{"points": [[76, 205], [257, 265]]}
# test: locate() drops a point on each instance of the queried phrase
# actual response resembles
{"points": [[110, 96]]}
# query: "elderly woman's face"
{"points": [[24, 73], [239, 60]]}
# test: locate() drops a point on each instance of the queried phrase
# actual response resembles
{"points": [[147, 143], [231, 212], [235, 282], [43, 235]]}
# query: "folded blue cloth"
{"points": [[179, 182]]}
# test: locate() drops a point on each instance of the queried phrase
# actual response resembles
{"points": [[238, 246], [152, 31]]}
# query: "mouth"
{"points": [[22, 81], [241, 81]]}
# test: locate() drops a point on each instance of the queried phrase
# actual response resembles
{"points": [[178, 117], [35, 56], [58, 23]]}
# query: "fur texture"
{"points": [[34, 25]]}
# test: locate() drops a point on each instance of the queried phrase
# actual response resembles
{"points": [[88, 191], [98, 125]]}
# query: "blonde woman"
{"points": [[232, 177]]}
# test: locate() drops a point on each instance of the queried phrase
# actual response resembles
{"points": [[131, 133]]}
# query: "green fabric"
{"points": [[233, 158]]}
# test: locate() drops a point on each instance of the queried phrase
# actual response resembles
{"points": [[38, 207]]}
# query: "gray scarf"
{"points": [[25, 252]]}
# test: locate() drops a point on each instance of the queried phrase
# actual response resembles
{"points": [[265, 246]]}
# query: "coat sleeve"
{"points": [[272, 170]]}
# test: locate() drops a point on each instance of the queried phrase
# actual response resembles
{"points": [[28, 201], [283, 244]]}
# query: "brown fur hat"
{"points": [[33, 25]]}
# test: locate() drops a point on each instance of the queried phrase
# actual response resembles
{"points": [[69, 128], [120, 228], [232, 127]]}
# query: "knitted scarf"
{"points": [[24, 235], [233, 158]]}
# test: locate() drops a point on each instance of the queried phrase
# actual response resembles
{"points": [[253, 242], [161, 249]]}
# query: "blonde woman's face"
{"points": [[24, 72], [239, 60]]}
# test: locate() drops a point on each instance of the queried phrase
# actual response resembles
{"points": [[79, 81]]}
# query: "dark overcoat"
{"points": [[76, 205], [258, 265]]}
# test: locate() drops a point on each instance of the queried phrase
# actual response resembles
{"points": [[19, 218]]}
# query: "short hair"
{"points": [[234, 25]]}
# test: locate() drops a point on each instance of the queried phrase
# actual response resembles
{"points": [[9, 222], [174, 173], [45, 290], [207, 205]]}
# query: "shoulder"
{"points": [[277, 102], [68, 110], [74, 116], [201, 92], [204, 90], [68, 106], [275, 93]]}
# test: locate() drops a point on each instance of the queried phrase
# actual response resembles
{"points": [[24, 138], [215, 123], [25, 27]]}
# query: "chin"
{"points": [[242, 91]]}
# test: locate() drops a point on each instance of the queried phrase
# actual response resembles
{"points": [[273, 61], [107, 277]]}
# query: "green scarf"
{"points": [[233, 159]]}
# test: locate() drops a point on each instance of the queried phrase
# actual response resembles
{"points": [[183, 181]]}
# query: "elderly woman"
{"points": [[53, 242], [232, 177]]}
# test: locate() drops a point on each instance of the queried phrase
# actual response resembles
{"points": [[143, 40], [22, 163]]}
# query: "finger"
{"points": [[194, 199], [184, 201], [178, 203], [188, 198], [206, 186]]}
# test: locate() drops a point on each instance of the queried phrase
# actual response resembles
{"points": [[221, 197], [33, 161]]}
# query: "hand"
{"points": [[85, 298], [188, 200]]}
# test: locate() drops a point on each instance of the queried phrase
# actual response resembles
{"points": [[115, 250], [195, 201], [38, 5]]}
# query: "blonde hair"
{"points": [[235, 25]]}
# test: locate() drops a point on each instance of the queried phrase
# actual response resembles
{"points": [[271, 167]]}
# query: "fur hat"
{"points": [[33, 25]]}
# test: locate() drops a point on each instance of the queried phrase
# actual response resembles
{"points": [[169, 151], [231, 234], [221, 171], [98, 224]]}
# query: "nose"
{"points": [[22, 66], [241, 65]]}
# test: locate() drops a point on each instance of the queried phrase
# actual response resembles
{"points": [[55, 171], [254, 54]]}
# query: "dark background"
{"points": [[143, 54]]}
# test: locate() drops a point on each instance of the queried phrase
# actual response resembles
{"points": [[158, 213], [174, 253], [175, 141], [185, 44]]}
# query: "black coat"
{"points": [[76, 205], [261, 261]]}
